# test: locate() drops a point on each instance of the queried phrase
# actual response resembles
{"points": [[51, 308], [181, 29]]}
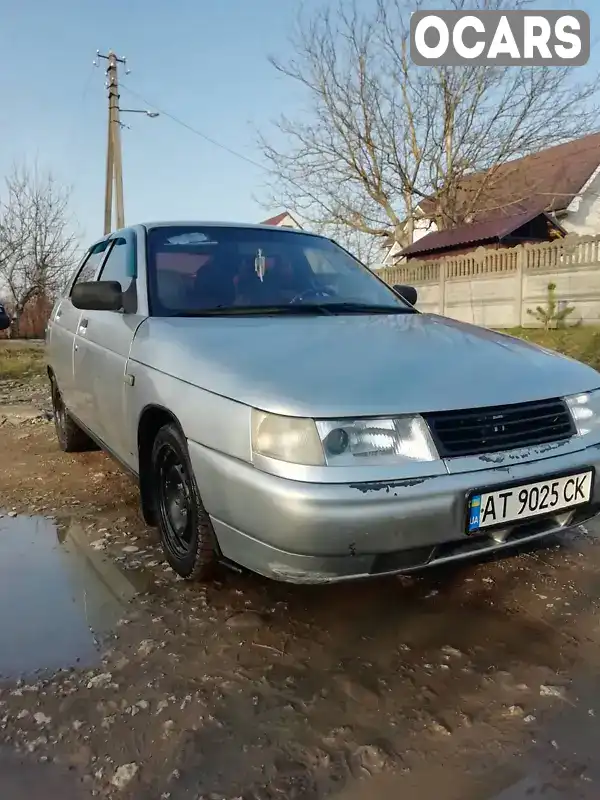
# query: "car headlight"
{"points": [[343, 442], [292, 439], [585, 410], [376, 441]]}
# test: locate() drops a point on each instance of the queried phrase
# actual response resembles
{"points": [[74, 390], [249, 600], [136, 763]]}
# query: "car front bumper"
{"points": [[321, 533]]}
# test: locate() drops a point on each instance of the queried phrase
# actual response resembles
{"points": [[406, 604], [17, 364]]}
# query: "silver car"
{"points": [[285, 411]]}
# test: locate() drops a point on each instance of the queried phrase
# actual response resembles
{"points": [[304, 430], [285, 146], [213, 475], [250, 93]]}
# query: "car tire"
{"points": [[186, 532], [70, 437]]}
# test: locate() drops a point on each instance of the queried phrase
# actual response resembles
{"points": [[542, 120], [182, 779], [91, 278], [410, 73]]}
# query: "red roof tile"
{"points": [[276, 220], [548, 180], [491, 229]]}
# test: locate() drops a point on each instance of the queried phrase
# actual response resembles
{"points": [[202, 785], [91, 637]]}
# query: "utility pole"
{"points": [[114, 158]]}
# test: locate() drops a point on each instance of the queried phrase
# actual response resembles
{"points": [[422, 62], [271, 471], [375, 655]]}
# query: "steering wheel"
{"points": [[318, 294]]}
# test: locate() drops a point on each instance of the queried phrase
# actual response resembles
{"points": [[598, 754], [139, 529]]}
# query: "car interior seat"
{"points": [[213, 285], [173, 289]]}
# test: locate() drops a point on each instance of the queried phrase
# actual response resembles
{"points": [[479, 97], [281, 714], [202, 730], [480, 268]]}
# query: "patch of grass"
{"points": [[577, 342], [21, 363], [581, 343]]}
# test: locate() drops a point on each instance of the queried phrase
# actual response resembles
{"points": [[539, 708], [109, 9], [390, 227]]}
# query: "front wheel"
{"points": [[186, 533]]}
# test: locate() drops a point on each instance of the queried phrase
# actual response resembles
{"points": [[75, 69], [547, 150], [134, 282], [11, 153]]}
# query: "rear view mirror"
{"points": [[97, 296], [408, 293]]}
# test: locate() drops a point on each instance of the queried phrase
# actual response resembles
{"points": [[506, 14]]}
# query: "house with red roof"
{"points": [[283, 220], [561, 181], [526, 227]]}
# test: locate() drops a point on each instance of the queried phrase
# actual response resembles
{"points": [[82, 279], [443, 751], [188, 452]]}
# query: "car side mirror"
{"points": [[97, 296], [408, 293]]}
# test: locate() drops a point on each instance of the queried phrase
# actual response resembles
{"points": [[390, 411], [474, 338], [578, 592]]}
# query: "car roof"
{"points": [[217, 224], [202, 223]]}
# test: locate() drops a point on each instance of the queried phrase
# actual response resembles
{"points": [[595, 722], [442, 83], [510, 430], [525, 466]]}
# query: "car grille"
{"points": [[493, 429]]}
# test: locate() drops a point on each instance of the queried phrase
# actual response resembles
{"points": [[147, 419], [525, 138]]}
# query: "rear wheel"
{"points": [[186, 532], [70, 437]]}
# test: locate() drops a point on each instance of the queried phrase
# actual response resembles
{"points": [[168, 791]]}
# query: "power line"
{"points": [[76, 122], [197, 132], [206, 137]]}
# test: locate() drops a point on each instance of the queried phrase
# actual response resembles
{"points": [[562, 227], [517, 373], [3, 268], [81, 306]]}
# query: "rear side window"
{"points": [[90, 266], [116, 265]]}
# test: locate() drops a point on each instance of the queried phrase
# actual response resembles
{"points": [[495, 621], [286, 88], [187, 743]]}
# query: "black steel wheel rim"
{"points": [[60, 415], [175, 501]]}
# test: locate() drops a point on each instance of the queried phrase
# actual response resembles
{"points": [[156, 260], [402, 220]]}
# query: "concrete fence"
{"points": [[495, 288]]}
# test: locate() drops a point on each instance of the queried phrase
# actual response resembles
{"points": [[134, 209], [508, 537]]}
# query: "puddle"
{"points": [[563, 764], [58, 597], [26, 778]]}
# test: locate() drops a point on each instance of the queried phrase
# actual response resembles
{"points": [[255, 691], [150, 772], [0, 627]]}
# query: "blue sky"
{"points": [[204, 61]]}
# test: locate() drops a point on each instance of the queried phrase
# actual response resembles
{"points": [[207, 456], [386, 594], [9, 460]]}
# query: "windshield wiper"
{"points": [[299, 309], [366, 308], [240, 311]]}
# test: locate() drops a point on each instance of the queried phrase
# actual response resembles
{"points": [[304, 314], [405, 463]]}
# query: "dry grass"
{"points": [[580, 343], [21, 362]]}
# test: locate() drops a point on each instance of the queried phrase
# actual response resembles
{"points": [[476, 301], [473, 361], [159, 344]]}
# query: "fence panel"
{"points": [[496, 287]]}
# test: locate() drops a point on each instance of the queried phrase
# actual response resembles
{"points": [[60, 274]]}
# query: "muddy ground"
{"points": [[118, 679]]}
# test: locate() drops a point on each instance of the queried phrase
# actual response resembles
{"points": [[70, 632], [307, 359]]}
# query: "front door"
{"points": [[103, 343], [63, 326]]}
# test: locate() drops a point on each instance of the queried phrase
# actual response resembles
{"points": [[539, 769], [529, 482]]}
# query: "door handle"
{"points": [[83, 323]]}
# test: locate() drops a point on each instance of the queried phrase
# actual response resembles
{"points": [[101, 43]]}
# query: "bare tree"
{"points": [[37, 241], [382, 135], [367, 249]]}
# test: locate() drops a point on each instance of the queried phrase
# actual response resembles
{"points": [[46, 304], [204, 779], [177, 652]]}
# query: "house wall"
{"points": [[496, 288], [288, 222], [422, 227], [583, 214]]}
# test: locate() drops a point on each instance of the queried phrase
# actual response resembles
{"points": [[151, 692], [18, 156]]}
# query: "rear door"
{"points": [[63, 325], [103, 343]]}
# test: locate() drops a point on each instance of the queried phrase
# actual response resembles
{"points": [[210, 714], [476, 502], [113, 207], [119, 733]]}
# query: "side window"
{"points": [[92, 262], [116, 265]]}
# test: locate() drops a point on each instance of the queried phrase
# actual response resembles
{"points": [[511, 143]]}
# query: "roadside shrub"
{"points": [[553, 315]]}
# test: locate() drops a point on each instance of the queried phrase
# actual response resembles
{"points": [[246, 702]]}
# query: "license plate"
{"points": [[515, 503]]}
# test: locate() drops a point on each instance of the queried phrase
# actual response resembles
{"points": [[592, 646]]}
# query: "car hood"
{"points": [[362, 365]]}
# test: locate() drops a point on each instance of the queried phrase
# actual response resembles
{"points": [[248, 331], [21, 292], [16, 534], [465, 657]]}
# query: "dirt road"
{"points": [[473, 682]]}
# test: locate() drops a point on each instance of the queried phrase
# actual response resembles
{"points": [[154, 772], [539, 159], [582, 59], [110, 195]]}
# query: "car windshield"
{"points": [[195, 270]]}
